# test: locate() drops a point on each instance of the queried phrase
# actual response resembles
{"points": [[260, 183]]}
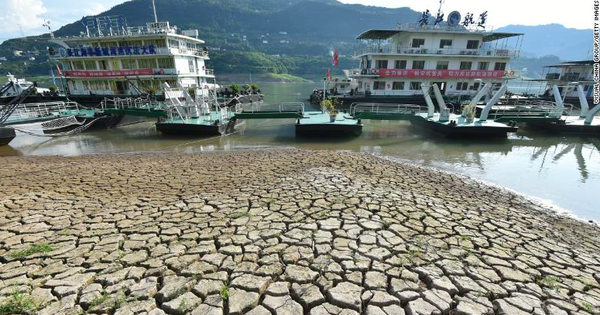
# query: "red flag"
{"points": [[328, 75], [336, 58]]}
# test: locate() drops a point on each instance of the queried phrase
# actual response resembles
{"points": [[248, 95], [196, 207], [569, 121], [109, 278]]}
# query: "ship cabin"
{"points": [[131, 61], [459, 60], [568, 75]]}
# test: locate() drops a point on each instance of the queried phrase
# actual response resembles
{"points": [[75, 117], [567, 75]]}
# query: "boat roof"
{"points": [[572, 63], [385, 34], [126, 37]]}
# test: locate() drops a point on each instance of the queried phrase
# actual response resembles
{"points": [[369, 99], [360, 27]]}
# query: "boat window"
{"points": [[166, 63], [379, 85], [418, 42], [381, 64], [442, 65], [415, 86], [483, 65], [398, 86], [462, 86], [500, 66], [418, 64], [128, 64], [147, 63], [78, 65], [90, 65], [466, 65], [191, 67], [103, 64], [400, 64], [473, 44], [24, 85], [573, 76], [475, 86], [445, 43], [86, 85], [66, 65], [173, 43]]}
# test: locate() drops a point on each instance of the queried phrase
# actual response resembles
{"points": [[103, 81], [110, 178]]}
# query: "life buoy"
{"points": [[388, 85], [374, 71], [511, 73]]}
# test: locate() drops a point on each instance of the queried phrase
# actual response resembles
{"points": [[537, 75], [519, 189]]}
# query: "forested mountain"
{"points": [[554, 39], [272, 36]]}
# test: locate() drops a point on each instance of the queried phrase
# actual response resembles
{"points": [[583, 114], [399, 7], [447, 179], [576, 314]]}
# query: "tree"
{"points": [[235, 88]]}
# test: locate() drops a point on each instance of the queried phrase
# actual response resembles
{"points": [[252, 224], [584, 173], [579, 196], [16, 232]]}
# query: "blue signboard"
{"points": [[111, 51], [454, 18]]}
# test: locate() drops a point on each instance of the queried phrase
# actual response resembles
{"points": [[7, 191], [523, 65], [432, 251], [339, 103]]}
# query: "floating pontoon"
{"points": [[466, 124]]}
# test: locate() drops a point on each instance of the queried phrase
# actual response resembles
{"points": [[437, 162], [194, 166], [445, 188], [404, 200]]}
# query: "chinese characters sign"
{"points": [[467, 74], [109, 73], [110, 51]]}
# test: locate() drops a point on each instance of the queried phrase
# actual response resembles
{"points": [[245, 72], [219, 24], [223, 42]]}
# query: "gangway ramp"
{"points": [[293, 110], [134, 107], [384, 111]]}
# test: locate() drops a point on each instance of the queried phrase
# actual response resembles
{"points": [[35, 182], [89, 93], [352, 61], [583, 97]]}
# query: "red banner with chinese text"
{"points": [[467, 74], [109, 73]]}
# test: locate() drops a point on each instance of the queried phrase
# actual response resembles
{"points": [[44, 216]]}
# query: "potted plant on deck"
{"points": [[329, 106]]}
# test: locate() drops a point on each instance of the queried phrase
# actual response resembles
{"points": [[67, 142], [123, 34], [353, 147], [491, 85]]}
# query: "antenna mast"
{"points": [[440, 9], [154, 9], [47, 25]]}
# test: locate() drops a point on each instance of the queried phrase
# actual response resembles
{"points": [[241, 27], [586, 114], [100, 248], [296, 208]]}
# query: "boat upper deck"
{"points": [[435, 40]]}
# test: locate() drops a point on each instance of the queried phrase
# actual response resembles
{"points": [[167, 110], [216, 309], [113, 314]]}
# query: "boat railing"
{"points": [[385, 109], [131, 103], [286, 107], [415, 26], [529, 109], [388, 49], [31, 111]]}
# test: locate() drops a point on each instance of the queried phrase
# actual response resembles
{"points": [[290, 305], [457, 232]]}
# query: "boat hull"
{"points": [[6, 135], [186, 129], [463, 131], [562, 128], [328, 130]]}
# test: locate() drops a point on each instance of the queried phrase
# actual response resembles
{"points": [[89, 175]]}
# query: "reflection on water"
{"points": [[563, 170]]}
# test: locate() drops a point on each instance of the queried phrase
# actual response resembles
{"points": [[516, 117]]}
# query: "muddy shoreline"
{"points": [[282, 232]]}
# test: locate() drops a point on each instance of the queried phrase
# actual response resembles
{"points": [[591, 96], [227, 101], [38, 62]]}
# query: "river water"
{"points": [[563, 172]]}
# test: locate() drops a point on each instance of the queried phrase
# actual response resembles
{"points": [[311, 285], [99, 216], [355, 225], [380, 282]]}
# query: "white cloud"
{"points": [[94, 8], [26, 14]]}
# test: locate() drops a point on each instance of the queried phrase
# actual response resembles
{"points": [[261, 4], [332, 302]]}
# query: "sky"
{"points": [[26, 17], [572, 14]]}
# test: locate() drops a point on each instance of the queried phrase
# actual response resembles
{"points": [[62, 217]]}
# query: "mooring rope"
{"points": [[79, 129]]}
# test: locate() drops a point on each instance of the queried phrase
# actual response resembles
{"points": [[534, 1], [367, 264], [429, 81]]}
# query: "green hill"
{"points": [[292, 37], [300, 33]]}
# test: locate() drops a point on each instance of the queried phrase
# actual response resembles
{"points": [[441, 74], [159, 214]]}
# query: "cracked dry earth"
{"points": [[282, 232]]}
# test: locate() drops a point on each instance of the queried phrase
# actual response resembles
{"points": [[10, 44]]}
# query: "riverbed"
{"points": [[563, 172]]}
